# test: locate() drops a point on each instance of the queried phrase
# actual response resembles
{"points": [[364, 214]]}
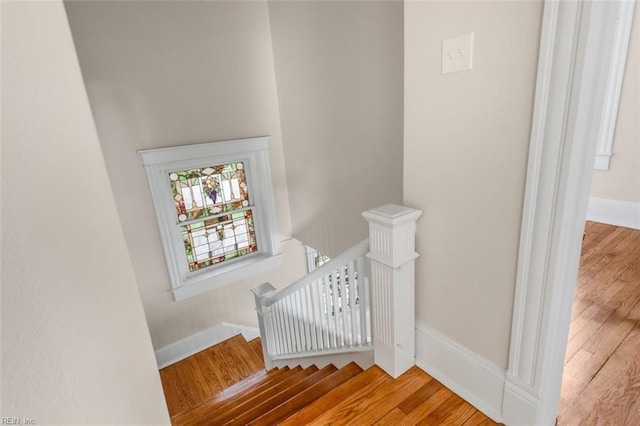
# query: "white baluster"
{"points": [[360, 262], [302, 323], [336, 309], [284, 328], [291, 337], [310, 320], [329, 319], [316, 305], [294, 324], [276, 308], [368, 303], [343, 305], [295, 316], [352, 303]]}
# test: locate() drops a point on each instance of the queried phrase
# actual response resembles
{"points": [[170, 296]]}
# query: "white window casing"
{"points": [[253, 152]]}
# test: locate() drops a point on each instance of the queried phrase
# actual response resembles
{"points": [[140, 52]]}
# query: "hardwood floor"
{"points": [[213, 371], [601, 381], [227, 384]]}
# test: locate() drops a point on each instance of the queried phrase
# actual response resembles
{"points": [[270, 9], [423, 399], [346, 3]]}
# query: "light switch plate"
{"points": [[457, 54]]}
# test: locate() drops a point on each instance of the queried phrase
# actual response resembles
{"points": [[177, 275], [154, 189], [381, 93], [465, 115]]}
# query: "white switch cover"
{"points": [[457, 54]]}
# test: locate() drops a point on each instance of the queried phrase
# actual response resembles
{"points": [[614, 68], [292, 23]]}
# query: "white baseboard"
{"points": [[473, 378], [249, 333], [614, 212], [195, 343], [520, 403]]}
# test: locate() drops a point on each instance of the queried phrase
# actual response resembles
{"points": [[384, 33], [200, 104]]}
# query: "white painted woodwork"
{"points": [[324, 313], [617, 24], [200, 341], [392, 255], [476, 379], [614, 212], [570, 93]]}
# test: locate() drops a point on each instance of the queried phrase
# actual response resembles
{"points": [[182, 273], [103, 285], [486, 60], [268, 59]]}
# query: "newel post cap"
{"points": [[392, 215]]}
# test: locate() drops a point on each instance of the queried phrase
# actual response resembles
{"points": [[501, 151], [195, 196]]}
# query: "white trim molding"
{"points": [[520, 402], [472, 377], [570, 96], [614, 212], [619, 23], [204, 339]]}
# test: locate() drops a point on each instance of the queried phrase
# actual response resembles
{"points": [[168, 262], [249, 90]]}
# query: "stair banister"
{"points": [[324, 313], [360, 249], [363, 300], [392, 253]]}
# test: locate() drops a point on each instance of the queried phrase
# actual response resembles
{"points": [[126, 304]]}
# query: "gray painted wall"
{"points": [[346, 74], [466, 145], [171, 73], [339, 74], [75, 344]]}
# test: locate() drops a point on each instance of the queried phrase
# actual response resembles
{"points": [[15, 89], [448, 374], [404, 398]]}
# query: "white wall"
{"points": [[622, 181], [466, 142], [170, 73], [339, 75], [75, 345]]}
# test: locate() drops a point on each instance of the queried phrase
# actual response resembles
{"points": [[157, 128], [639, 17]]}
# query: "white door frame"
{"points": [[575, 52]]}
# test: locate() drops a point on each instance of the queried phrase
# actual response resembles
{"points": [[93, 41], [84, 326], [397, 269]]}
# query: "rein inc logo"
{"points": [[17, 421]]}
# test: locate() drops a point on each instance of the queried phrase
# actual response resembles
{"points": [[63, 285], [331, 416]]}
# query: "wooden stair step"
{"points": [[234, 358], [247, 400], [309, 395], [250, 398], [243, 391], [385, 395], [256, 346], [196, 379], [261, 378], [258, 406], [308, 414]]}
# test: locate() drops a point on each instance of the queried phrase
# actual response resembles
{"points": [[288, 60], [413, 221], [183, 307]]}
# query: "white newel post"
{"points": [[264, 320], [392, 253]]}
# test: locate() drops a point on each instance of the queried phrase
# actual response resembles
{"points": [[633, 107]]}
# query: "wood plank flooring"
{"points": [[229, 380], [601, 381], [209, 373]]}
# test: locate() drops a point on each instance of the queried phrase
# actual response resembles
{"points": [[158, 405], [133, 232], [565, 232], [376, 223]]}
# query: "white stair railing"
{"points": [[326, 312], [362, 300]]}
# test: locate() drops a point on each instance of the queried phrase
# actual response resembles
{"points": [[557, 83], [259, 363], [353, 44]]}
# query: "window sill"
{"points": [[234, 272]]}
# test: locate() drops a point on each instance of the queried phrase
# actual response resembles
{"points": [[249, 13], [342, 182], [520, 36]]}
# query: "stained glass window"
{"points": [[213, 203], [209, 190], [216, 215], [215, 240]]}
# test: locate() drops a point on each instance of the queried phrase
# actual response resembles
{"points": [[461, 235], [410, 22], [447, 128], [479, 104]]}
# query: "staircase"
{"points": [[269, 399], [358, 307], [228, 385], [259, 398], [352, 312]]}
